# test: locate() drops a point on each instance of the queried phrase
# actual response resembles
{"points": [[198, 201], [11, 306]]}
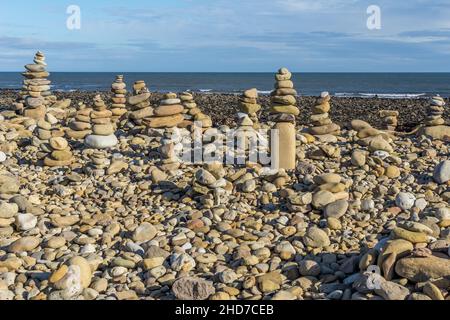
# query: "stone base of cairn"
{"points": [[81, 126], [99, 162], [102, 136], [245, 135], [36, 88], [168, 114], [60, 154], [210, 187], [390, 119], [435, 125], [118, 107], [283, 112], [248, 103], [140, 104], [322, 124]]}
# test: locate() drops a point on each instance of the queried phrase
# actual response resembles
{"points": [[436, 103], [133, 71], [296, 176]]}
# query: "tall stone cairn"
{"points": [[36, 88], [118, 107], [102, 136], [320, 118], [248, 103], [140, 104], [283, 112]]}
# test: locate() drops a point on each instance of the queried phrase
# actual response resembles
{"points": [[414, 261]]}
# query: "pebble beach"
{"points": [[93, 205]]}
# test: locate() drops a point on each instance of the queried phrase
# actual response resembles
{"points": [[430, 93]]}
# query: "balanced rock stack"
{"points": [[245, 133], [36, 88], [283, 113], [435, 112], [81, 126], [390, 119], [170, 146], [320, 118], [118, 108], [141, 108], [435, 126], [248, 103], [98, 164], [102, 136], [190, 108], [168, 114], [375, 140], [60, 153]]}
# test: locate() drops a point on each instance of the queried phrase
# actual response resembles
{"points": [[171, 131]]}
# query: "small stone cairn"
{"points": [[102, 136], [118, 107], [390, 119], [322, 124], [190, 108], [283, 113], [36, 88], [81, 126], [98, 163], [330, 195], [248, 104], [435, 125], [140, 104], [60, 153]]}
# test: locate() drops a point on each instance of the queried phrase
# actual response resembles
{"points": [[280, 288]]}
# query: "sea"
{"points": [[366, 85]]}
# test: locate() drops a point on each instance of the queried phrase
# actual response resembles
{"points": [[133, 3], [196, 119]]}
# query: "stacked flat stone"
{"points": [[248, 103], [435, 112], [36, 88], [60, 154], [80, 126], [283, 112], [390, 119], [168, 114], [102, 136], [331, 195], [140, 104], [118, 107], [320, 118]]}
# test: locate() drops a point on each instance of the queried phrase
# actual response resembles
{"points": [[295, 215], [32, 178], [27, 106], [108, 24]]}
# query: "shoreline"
{"points": [[223, 107]]}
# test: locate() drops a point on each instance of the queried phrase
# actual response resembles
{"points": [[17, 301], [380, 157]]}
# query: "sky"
{"points": [[227, 35]]}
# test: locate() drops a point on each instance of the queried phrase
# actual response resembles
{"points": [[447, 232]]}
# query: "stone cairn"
{"points": [[98, 163], [320, 118], [140, 104], [80, 126], [167, 116], [36, 88], [118, 107], [60, 154], [435, 112], [102, 136], [283, 113], [435, 125], [390, 119], [248, 103], [330, 195], [190, 108]]}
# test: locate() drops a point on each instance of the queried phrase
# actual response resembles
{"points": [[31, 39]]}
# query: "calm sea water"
{"points": [[389, 85]]}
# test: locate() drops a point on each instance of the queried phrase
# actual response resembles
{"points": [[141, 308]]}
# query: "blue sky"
{"points": [[228, 35]]}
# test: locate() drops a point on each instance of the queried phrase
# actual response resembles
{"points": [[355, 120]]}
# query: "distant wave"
{"points": [[264, 91], [381, 95], [205, 90]]}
